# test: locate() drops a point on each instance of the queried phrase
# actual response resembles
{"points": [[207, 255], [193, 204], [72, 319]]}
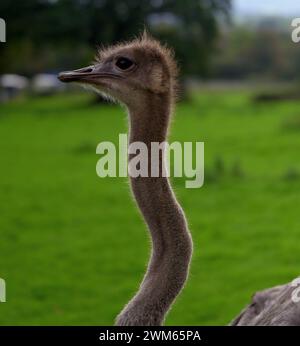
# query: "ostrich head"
{"points": [[129, 72]]}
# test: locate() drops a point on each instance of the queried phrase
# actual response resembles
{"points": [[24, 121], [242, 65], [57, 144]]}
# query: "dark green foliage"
{"points": [[53, 34], [291, 123], [291, 174], [237, 169], [258, 50]]}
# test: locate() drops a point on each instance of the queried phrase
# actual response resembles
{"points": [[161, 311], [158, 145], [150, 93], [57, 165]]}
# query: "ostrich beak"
{"points": [[76, 75], [91, 75]]}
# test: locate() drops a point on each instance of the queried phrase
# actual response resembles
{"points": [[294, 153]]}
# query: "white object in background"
{"points": [[13, 81], [46, 83]]}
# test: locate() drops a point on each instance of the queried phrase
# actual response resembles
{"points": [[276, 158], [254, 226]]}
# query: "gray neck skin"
{"points": [[171, 241]]}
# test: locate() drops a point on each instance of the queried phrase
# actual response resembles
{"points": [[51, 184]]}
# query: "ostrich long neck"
{"points": [[171, 242]]}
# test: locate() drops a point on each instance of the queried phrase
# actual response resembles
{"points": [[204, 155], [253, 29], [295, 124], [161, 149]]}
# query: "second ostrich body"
{"points": [[142, 75]]}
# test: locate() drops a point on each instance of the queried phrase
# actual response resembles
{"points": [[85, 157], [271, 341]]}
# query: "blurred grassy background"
{"points": [[73, 246]]}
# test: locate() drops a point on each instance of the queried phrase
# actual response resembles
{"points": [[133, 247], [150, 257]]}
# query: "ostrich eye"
{"points": [[124, 63]]}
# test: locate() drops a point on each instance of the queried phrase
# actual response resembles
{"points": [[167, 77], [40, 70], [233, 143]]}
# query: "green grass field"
{"points": [[73, 247]]}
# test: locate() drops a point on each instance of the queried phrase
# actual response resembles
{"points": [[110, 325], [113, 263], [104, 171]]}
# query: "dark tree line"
{"points": [[53, 34]]}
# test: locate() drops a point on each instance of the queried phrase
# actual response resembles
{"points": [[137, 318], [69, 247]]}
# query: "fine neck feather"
{"points": [[171, 241]]}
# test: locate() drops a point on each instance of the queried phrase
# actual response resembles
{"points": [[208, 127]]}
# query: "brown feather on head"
{"points": [[159, 61], [138, 66], [147, 45]]}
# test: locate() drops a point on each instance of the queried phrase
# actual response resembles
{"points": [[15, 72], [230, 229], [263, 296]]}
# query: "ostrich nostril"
{"points": [[88, 70], [84, 70]]}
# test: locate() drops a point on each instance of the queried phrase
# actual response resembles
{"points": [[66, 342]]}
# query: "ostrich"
{"points": [[141, 75]]}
